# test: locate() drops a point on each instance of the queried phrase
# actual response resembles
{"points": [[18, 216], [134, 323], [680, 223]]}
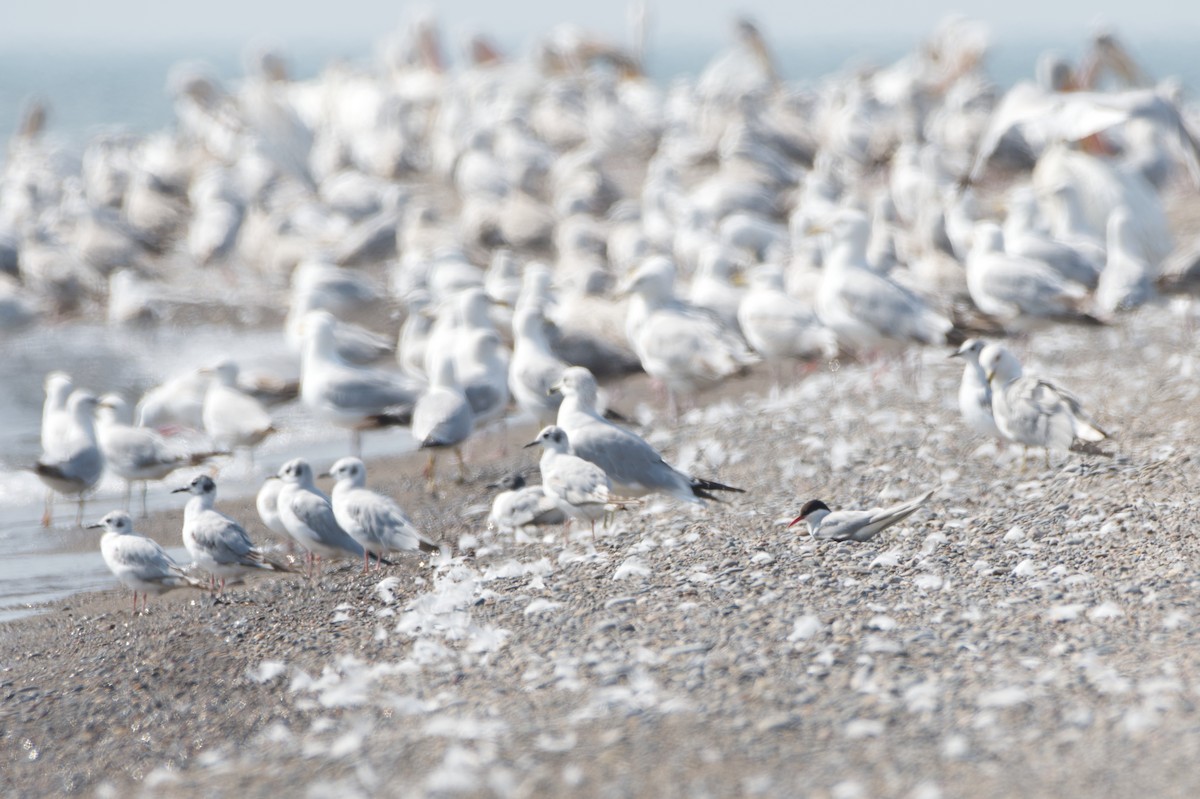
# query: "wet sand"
{"points": [[1027, 634]]}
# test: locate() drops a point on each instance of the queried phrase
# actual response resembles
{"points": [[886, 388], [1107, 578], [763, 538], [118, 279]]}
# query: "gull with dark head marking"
{"points": [[854, 525], [138, 562], [308, 515], [373, 520], [217, 543], [579, 488], [520, 505], [634, 467], [974, 392]]}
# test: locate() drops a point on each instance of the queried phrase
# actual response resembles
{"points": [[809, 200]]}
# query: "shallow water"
{"points": [[40, 565]]}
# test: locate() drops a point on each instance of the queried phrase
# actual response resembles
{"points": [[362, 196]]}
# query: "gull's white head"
{"points": [[297, 472], [201, 485], [112, 408], [552, 438], [118, 521], [999, 365], [58, 386], [349, 470], [578, 382], [82, 404], [970, 350], [653, 280]]}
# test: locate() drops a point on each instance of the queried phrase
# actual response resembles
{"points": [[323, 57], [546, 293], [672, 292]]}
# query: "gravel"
{"points": [[1025, 634]]}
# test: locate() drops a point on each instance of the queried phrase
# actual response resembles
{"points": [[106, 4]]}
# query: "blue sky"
{"points": [[138, 24]]}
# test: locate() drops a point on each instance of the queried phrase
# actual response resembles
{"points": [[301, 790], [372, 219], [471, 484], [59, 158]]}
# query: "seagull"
{"points": [[75, 463], [864, 308], [217, 543], [359, 398], [534, 367], [854, 525], [308, 516], [778, 325], [1128, 279], [57, 424], [579, 488], [974, 392], [177, 403], [137, 454], [519, 505], [681, 346], [138, 562], [481, 369], [232, 418], [371, 519], [634, 467], [441, 418], [1034, 412], [266, 502], [1017, 290]]}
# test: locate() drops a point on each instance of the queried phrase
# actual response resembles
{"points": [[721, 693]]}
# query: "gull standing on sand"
{"points": [[534, 367], [1019, 291], [579, 488], [1128, 279], [56, 421], [359, 398], [866, 309], [266, 502], [854, 525], [308, 515], [778, 325], [177, 403], [1033, 412], [634, 467], [138, 562], [682, 347], [442, 418], [371, 519], [217, 543], [975, 392], [481, 369], [57, 425], [75, 463], [232, 418], [137, 454], [520, 505]]}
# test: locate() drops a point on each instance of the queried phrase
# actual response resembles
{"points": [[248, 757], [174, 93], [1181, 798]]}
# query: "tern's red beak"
{"points": [[796, 520]]}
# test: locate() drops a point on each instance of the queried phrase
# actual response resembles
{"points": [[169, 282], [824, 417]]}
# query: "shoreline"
{"points": [[1023, 634]]}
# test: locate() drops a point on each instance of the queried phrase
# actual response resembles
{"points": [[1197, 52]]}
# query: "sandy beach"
{"points": [[1026, 634]]}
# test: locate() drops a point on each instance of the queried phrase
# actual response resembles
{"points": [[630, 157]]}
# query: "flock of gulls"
{"points": [[459, 247]]}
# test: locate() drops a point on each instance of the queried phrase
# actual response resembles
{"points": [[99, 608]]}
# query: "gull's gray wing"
{"points": [[577, 481], [316, 512], [224, 539], [627, 458], [441, 418], [382, 520], [368, 391]]}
